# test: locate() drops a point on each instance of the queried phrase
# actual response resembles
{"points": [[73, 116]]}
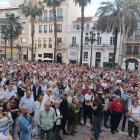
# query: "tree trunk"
{"points": [[115, 46], [32, 36], [55, 29], [5, 47], [11, 45], [82, 29]]}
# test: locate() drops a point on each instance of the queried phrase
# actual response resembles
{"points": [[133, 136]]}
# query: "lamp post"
{"points": [[91, 37]]}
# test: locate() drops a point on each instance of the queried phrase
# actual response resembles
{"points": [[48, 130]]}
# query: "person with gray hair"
{"points": [[24, 123], [46, 119]]}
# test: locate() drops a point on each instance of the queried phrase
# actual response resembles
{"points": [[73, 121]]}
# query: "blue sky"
{"points": [[89, 11]]}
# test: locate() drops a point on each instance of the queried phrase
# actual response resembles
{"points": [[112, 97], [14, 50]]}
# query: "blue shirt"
{"points": [[24, 128], [29, 102], [8, 94]]}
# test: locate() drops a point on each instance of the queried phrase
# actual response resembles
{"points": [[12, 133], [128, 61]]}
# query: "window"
{"points": [[50, 55], [112, 40], [60, 13], [51, 15], [45, 28], [86, 40], [98, 59], [50, 43], [39, 44], [40, 28], [136, 50], [59, 40], [85, 55], [87, 26], [45, 43], [129, 50], [50, 28], [45, 15], [39, 55], [78, 27], [99, 40], [111, 55], [59, 27], [73, 40]]}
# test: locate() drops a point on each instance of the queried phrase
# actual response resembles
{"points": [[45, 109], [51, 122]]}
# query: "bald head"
{"points": [[24, 110]]}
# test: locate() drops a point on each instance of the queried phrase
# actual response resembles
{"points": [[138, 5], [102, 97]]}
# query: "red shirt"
{"points": [[116, 107], [85, 91]]}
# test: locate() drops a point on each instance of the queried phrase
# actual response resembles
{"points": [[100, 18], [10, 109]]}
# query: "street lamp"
{"points": [[91, 37]]}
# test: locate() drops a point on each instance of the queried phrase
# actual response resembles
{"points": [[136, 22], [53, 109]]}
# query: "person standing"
{"points": [[97, 113], [36, 89], [28, 101], [134, 119], [46, 119], [80, 98], [64, 109], [24, 123], [89, 97], [116, 110]]}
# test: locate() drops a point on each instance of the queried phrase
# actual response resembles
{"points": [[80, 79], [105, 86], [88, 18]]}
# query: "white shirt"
{"points": [[58, 122], [135, 112], [89, 97]]}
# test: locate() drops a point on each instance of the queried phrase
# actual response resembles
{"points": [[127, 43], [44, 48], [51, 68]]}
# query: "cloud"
{"points": [[90, 10], [4, 3]]}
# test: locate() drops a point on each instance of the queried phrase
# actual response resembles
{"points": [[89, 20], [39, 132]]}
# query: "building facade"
{"points": [[131, 48], [98, 54], [44, 31]]}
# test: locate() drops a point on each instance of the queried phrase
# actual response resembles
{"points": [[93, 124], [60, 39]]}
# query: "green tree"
{"points": [[32, 9], [117, 17], [5, 35], [82, 4], [11, 29], [54, 4]]}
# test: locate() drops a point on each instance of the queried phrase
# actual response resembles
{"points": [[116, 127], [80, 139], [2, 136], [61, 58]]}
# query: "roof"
{"points": [[86, 19]]}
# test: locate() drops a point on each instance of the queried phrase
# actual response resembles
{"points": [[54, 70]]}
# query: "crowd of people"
{"points": [[44, 99]]}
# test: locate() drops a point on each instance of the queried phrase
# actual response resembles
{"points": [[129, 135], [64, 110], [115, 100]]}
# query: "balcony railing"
{"points": [[59, 17], [73, 45], [133, 53]]}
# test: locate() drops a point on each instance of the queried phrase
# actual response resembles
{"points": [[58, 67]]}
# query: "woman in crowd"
{"points": [[116, 110], [72, 116], [134, 119], [5, 123]]}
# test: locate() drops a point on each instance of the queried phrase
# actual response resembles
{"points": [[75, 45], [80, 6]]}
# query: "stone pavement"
{"points": [[84, 133]]}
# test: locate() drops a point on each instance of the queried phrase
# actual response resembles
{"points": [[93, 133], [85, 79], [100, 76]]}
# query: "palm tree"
{"points": [[117, 17], [11, 29], [32, 9], [82, 4], [54, 4], [5, 36]]}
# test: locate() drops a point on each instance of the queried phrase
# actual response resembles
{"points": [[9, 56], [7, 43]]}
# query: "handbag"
{"points": [[127, 113]]}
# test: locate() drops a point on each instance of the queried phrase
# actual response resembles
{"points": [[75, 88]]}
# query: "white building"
{"points": [[44, 31], [102, 49]]}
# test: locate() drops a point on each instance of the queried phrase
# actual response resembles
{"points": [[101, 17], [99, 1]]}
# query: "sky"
{"points": [[89, 11]]}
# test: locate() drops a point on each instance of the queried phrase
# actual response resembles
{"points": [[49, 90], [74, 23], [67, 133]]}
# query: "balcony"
{"points": [[59, 17], [132, 41], [132, 54], [73, 45]]}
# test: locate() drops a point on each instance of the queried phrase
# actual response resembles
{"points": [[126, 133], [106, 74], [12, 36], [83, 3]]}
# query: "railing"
{"points": [[73, 45], [132, 54]]}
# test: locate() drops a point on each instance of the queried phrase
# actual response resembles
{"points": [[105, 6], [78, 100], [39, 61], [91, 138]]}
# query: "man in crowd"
{"points": [[24, 123], [46, 119]]}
